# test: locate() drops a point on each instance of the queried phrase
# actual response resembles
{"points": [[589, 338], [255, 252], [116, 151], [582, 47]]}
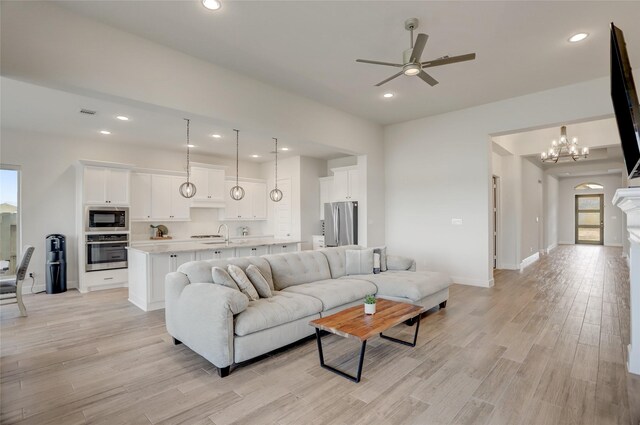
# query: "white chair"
{"points": [[12, 289]]}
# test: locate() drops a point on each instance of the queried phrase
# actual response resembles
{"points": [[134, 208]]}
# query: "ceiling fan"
{"points": [[411, 64]]}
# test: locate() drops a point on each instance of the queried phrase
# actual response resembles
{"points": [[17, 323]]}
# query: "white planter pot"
{"points": [[369, 309]]}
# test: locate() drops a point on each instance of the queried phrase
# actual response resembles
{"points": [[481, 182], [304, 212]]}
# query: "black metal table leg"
{"points": [[337, 371], [415, 337]]}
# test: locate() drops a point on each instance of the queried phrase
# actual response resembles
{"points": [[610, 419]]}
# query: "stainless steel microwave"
{"points": [[106, 219]]}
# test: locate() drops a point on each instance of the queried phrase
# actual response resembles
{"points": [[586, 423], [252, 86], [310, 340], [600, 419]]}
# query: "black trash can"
{"points": [[56, 268]]}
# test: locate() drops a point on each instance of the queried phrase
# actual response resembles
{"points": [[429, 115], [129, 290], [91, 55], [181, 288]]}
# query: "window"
{"points": [[8, 221], [589, 186]]}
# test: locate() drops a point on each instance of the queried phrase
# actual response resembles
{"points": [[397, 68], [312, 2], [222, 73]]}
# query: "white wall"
{"points": [[48, 202], [552, 211], [532, 210], [613, 217], [439, 168], [311, 169]]}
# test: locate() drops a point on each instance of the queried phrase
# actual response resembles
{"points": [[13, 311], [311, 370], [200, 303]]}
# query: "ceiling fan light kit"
{"points": [[411, 64]]}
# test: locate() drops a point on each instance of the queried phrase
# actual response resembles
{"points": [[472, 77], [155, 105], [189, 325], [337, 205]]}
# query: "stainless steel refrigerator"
{"points": [[340, 223]]}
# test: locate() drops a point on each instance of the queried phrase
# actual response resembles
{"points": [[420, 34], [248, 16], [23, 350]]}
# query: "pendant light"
{"points": [[276, 194], [188, 189], [237, 192]]}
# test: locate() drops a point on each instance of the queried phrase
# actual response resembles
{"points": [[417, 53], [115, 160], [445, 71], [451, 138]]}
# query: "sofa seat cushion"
{"points": [[413, 286], [282, 307], [335, 292]]}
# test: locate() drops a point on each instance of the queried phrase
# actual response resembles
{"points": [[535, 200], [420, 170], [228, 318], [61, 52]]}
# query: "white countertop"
{"points": [[173, 246]]}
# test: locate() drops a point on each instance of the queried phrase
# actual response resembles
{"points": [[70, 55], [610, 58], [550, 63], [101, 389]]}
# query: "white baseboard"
{"points": [[551, 247], [613, 244], [472, 281], [566, 243], [529, 260], [509, 267], [40, 287]]}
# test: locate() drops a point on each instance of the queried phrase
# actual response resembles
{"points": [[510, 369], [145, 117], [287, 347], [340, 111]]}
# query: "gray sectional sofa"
{"points": [[224, 327]]}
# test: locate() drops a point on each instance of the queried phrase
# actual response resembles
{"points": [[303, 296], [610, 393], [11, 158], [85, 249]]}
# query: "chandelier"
{"points": [[564, 149]]}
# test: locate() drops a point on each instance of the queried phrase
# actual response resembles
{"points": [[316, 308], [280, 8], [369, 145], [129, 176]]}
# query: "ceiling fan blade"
{"points": [[427, 78], [389, 79], [418, 47], [379, 63], [447, 60]]}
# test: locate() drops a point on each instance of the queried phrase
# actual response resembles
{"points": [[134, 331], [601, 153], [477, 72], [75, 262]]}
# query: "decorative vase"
{"points": [[369, 309]]}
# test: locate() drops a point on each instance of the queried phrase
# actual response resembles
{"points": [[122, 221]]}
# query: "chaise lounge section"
{"points": [[223, 326]]}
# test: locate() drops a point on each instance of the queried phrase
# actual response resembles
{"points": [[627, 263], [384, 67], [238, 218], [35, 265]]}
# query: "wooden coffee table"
{"points": [[353, 323]]}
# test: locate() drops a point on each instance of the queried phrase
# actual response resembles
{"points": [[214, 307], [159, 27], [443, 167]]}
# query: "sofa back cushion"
{"points": [[200, 271], [336, 258], [297, 268]]}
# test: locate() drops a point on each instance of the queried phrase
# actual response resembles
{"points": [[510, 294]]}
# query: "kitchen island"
{"points": [[150, 261]]}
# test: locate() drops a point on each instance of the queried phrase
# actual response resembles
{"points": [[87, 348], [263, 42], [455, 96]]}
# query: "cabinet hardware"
{"points": [[108, 278]]}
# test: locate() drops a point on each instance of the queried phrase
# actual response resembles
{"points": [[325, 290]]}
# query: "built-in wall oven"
{"points": [[106, 219], [106, 251]]}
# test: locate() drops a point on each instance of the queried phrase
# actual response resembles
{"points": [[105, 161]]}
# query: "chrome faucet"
{"points": [[226, 237]]}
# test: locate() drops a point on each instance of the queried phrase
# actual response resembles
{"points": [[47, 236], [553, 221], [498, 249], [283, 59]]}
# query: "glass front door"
{"points": [[590, 219]]}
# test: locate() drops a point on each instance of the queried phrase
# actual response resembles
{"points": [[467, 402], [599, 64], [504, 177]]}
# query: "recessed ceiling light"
{"points": [[387, 95], [285, 149], [212, 4], [578, 37], [255, 156], [122, 118], [191, 146], [105, 132], [216, 136]]}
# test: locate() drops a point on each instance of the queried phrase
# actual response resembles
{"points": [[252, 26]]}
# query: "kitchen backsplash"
{"points": [[204, 221]]}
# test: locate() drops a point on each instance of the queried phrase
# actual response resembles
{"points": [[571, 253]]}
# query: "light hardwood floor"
{"points": [[541, 347]]}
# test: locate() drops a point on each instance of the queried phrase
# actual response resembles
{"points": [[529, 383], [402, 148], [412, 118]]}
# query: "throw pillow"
{"points": [[243, 282], [258, 281], [359, 261], [382, 250], [221, 277]]}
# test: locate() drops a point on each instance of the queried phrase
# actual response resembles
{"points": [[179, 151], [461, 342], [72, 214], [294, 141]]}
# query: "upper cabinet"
{"points": [[210, 187], [103, 185], [346, 183], [253, 206], [157, 197]]}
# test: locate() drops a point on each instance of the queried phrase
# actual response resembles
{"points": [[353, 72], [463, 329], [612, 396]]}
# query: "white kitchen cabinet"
{"points": [[216, 254], [259, 201], [140, 196], [166, 201], [158, 266], [253, 206], [103, 185], [346, 182], [326, 184], [210, 187], [282, 248], [255, 251], [180, 206]]}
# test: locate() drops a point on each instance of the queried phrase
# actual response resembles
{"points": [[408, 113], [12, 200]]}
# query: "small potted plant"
{"points": [[370, 304]]}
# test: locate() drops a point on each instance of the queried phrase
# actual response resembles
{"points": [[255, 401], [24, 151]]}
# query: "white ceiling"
{"points": [[29, 107], [310, 47]]}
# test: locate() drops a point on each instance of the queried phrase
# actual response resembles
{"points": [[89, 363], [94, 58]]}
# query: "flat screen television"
{"points": [[625, 102]]}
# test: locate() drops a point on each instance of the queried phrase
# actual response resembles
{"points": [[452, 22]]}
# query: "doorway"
{"points": [[589, 219]]}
